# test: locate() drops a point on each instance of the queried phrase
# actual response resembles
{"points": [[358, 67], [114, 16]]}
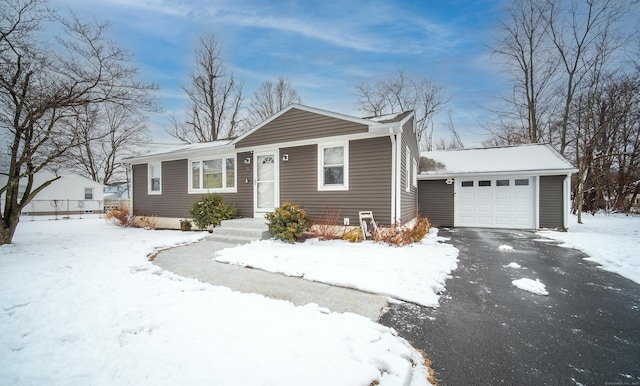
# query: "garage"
{"points": [[495, 202], [514, 187]]}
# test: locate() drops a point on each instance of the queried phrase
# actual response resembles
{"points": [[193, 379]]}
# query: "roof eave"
{"points": [[538, 172]]}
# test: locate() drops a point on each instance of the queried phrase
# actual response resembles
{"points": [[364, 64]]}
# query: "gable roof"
{"points": [[376, 125], [532, 159]]}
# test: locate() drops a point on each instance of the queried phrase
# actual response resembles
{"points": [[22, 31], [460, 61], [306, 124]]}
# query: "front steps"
{"points": [[240, 231]]}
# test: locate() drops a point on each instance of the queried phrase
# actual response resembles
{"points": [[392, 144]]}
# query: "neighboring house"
{"points": [[523, 187], [70, 194], [304, 155]]}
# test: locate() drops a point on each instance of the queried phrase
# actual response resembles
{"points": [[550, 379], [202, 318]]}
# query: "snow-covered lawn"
{"points": [[414, 273], [80, 304], [612, 241]]}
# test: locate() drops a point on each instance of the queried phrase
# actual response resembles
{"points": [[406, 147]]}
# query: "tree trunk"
{"points": [[7, 231]]}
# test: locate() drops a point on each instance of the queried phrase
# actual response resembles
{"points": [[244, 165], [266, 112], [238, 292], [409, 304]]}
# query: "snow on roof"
{"points": [[389, 118], [155, 149], [493, 160]]}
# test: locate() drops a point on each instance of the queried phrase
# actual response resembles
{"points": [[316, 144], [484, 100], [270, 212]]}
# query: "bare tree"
{"points": [[401, 93], [215, 97], [269, 99], [43, 85], [107, 134], [526, 52], [585, 34]]}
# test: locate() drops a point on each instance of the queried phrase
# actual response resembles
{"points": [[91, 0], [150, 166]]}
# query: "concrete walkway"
{"points": [[196, 261]]}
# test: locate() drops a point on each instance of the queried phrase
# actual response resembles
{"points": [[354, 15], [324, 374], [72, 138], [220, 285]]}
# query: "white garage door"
{"points": [[499, 202]]}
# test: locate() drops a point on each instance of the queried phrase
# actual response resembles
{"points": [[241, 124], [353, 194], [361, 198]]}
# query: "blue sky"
{"points": [[325, 48]]}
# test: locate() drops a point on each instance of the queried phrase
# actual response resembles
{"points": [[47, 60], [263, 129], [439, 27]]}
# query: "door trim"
{"points": [[257, 213]]}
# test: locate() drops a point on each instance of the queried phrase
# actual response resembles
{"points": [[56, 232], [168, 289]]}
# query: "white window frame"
{"points": [[407, 167], [224, 189], [150, 167], [345, 172], [90, 191], [415, 173]]}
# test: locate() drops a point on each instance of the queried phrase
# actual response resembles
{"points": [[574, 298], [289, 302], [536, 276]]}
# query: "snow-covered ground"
{"points": [[80, 304], [613, 241], [414, 273]]}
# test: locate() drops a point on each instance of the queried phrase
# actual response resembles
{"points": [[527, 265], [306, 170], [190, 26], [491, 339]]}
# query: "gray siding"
{"points": [[435, 201], [552, 202], [175, 199], [408, 199], [369, 180], [297, 125]]}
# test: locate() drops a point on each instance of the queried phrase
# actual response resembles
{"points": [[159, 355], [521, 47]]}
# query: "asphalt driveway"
{"points": [[488, 332]]}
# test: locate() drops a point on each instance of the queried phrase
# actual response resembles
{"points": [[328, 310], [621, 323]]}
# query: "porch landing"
{"points": [[240, 231]]}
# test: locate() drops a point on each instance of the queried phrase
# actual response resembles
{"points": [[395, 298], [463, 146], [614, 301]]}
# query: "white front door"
{"points": [[265, 195]]}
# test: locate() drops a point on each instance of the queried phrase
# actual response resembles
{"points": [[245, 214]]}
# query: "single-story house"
{"points": [[70, 194], [304, 155], [523, 187]]}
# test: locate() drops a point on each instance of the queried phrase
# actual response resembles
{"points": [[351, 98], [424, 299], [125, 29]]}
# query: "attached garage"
{"points": [[520, 187]]}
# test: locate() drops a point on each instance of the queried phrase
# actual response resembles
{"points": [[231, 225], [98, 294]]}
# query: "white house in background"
{"points": [[70, 194]]}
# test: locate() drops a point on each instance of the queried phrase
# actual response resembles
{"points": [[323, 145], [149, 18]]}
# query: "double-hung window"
{"points": [[155, 178], [88, 193], [213, 175], [333, 166]]}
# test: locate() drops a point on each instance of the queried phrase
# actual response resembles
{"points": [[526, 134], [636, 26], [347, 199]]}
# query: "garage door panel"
{"points": [[498, 205]]}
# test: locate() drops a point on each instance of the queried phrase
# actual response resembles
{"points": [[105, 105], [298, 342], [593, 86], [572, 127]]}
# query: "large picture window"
{"points": [[155, 178], [213, 175], [333, 167]]}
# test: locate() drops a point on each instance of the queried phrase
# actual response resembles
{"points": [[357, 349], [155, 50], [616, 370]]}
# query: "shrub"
{"points": [[185, 225], [122, 216], [147, 222], [327, 226], [420, 229], [395, 235], [288, 222], [354, 235], [403, 235], [210, 210]]}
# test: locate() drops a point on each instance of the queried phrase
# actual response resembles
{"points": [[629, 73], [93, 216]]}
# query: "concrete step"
{"points": [[240, 231]]}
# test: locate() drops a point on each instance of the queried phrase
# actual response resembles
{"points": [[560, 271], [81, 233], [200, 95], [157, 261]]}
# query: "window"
{"points": [[484, 183], [155, 178], [333, 167], [502, 182], [213, 175], [467, 184], [407, 167], [88, 193], [521, 182], [415, 173]]}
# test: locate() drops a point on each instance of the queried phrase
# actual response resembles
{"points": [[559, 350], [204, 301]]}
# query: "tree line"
{"points": [[574, 71]]}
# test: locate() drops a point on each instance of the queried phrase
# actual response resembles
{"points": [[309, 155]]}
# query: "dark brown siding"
{"points": [[552, 202], [369, 180], [297, 125], [435, 201], [175, 200], [408, 199]]}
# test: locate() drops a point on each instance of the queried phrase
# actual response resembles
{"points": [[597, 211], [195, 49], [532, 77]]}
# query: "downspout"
{"points": [[566, 198], [396, 197], [392, 135]]}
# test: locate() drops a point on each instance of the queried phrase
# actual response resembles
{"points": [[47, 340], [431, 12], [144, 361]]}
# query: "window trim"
{"points": [[224, 189], [90, 191], [415, 173], [149, 178], [407, 167], [345, 171]]}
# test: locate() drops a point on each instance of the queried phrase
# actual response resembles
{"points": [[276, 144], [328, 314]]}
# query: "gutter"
{"points": [[396, 199]]}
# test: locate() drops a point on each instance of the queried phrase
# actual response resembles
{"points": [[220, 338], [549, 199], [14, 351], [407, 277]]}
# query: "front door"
{"points": [[266, 179]]}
